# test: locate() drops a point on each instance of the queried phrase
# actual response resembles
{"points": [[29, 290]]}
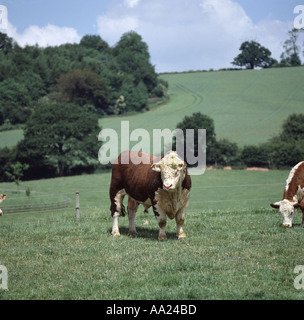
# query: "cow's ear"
{"points": [[275, 205], [297, 205], [156, 167]]}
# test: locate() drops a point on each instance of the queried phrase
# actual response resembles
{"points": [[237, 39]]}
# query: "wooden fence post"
{"points": [[77, 205]]}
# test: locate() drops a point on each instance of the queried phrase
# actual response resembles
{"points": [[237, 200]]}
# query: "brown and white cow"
{"points": [[161, 183], [293, 197], [2, 198]]}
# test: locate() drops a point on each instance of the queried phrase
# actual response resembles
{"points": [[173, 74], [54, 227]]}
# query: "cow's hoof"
{"points": [[115, 233], [162, 237], [181, 236], [133, 233]]}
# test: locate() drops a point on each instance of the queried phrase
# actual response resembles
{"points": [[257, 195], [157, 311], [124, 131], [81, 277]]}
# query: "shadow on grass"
{"points": [[145, 233]]}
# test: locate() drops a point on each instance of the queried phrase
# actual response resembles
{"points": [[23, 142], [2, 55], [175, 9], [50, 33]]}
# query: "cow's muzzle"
{"points": [[168, 186], [287, 225]]}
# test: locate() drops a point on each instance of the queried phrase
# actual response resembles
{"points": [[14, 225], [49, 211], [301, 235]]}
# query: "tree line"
{"points": [[253, 54], [104, 80], [57, 94]]}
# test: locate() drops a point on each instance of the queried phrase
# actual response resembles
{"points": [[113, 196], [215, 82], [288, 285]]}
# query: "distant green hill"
{"points": [[248, 107], [10, 138]]}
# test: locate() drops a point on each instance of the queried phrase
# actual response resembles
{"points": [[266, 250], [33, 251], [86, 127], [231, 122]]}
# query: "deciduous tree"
{"points": [[57, 139], [253, 55]]}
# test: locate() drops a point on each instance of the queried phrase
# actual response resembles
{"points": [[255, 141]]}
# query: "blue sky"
{"points": [[181, 34]]}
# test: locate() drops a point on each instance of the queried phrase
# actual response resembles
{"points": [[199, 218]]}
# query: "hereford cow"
{"points": [[161, 183], [2, 198], [293, 197]]}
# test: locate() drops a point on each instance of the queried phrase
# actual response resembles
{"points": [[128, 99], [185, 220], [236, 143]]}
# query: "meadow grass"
{"points": [[10, 138], [248, 106], [236, 247]]}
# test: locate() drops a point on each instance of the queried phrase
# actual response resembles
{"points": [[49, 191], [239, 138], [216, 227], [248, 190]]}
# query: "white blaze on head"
{"points": [[172, 170], [287, 210]]}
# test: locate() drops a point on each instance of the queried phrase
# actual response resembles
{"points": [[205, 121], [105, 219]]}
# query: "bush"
{"points": [[255, 156], [227, 152], [284, 154]]}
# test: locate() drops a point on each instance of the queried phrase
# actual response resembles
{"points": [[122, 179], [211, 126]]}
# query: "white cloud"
{"points": [[113, 28], [196, 34], [131, 3], [49, 35]]}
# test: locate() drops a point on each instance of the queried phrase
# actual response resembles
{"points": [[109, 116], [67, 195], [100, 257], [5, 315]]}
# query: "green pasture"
{"points": [[236, 247], [248, 106], [10, 138]]}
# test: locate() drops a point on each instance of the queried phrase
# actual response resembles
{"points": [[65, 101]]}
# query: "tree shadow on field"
{"points": [[145, 233]]}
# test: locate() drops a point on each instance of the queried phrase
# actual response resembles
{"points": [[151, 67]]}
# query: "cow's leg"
{"points": [[180, 219], [161, 218], [116, 209], [132, 209], [302, 225]]}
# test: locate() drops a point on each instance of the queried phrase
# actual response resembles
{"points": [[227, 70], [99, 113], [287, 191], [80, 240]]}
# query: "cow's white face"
{"points": [[172, 170], [287, 210]]}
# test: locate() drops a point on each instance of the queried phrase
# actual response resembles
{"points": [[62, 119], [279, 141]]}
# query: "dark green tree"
{"points": [[57, 139], [226, 152], [14, 101], [83, 87], [293, 128], [253, 55], [255, 156], [6, 43], [200, 121], [133, 58], [94, 42]]}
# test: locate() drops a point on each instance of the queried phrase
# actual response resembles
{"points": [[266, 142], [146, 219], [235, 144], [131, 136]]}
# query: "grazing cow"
{"points": [[2, 198], [293, 197], [161, 183]]}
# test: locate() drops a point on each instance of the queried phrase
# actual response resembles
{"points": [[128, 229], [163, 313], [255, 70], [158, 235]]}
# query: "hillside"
{"points": [[248, 107]]}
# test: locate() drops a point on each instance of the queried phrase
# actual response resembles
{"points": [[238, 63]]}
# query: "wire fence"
{"points": [[44, 202], [37, 202]]}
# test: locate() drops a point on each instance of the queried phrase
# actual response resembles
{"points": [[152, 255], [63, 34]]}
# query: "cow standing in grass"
{"points": [[161, 183], [2, 198], [293, 197]]}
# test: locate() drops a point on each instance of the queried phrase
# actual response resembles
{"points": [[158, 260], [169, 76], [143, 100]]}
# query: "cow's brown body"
{"points": [[144, 186]]}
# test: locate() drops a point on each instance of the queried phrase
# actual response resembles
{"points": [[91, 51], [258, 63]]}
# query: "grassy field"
{"points": [[10, 138], [236, 247], [248, 107], [242, 104]]}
